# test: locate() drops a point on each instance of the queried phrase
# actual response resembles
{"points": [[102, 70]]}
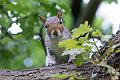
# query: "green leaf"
{"points": [[78, 60], [117, 51], [80, 31], [60, 76], [72, 78], [97, 33], [68, 44], [81, 40], [109, 51]]}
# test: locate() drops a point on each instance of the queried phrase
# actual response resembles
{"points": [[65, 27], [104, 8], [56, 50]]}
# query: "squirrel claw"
{"points": [[50, 60]]}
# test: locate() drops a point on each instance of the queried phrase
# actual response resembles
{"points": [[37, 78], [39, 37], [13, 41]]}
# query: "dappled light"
{"points": [[28, 62], [15, 28]]}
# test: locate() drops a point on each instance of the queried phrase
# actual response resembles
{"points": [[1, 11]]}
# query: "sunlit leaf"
{"points": [[68, 44], [81, 30], [97, 33]]}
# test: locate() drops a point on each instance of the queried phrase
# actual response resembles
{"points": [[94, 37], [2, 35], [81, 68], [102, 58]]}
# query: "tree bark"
{"points": [[58, 72], [76, 6], [48, 73]]}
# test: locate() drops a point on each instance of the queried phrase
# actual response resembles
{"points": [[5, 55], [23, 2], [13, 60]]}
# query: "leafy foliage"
{"points": [[101, 57], [70, 46], [66, 76], [78, 60], [16, 48], [79, 45], [62, 76], [84, 28], [97, 33]]}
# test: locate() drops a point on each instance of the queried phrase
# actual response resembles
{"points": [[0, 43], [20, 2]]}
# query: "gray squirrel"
{"points": [[55, 32]]}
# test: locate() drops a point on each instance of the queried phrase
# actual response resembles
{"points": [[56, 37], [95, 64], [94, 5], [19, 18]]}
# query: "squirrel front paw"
{"points": [[50, 60], [70, 61]]}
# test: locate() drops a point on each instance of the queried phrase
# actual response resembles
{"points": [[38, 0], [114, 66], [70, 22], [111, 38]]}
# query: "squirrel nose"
{"points": [[55, 33]]}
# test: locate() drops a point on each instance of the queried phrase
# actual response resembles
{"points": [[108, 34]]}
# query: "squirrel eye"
{"points": [[46, 26], [60, 22]]}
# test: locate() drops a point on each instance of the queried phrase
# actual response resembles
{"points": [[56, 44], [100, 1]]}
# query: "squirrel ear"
{"points": [[59, 14], [42, 19]]}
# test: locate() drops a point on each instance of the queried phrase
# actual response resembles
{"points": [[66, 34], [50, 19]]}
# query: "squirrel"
{"points": [[55, 32]]}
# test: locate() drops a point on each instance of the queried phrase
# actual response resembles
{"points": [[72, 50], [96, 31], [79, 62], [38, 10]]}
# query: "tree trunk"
{"points": [[76, 6], [89, 13]]}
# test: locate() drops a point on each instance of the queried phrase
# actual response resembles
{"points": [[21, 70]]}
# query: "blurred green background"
{"points": [[22, 34]]}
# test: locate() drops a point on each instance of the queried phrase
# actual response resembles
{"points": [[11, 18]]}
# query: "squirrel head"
{"points": [[53, 25]]}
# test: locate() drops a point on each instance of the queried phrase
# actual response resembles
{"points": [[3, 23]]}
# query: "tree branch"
{"points": [[48, 73]]}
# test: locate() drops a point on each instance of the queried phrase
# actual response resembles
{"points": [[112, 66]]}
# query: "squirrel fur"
{"points": [[55, 32]]}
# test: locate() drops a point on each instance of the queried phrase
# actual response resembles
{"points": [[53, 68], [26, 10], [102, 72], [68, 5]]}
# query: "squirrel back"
{"points": [[55, 32]]}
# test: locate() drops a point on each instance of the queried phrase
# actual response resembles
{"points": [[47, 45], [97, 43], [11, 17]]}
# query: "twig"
{"points": [[95, 44]]}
